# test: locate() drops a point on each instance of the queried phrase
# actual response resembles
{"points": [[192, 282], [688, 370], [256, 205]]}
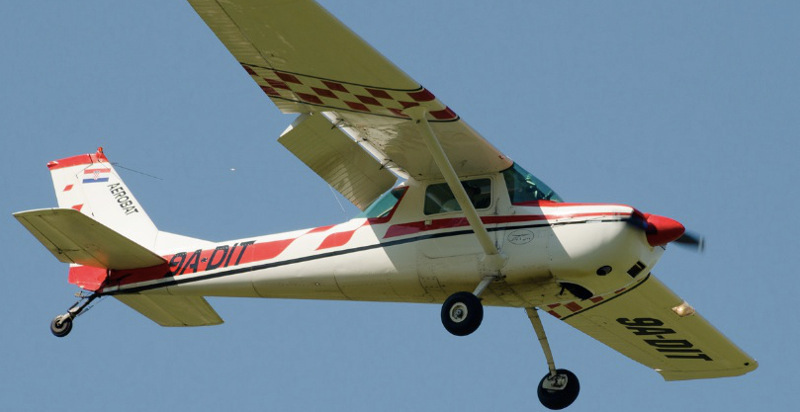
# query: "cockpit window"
{"points": [[439, 198], [525, 187], [384, 205]]}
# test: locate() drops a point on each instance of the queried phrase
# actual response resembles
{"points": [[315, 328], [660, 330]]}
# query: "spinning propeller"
{"points": [[692, 240], [661, 230]]}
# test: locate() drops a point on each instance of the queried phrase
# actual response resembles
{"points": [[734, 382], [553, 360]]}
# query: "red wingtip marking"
{"points": [[445, 114], [357, 106], [278, 84], [324, 92], [379, 93], [368, 100], [249, 70], [310, 98], [288, 77], [422, 96], [270, 91], [335, 86]]}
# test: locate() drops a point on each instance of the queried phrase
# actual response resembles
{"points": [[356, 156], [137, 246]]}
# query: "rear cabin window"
{"points": [[384, 205], [439, 198]]}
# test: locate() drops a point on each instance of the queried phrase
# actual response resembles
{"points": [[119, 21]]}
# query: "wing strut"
{"points": [[494, 261]]}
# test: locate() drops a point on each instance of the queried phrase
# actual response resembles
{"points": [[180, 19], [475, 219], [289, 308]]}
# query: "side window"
{"points": [[439, 198]]}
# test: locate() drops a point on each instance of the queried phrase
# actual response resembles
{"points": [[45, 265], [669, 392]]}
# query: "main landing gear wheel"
{"points": [[559, 391], [462, 313], [61, 325]]}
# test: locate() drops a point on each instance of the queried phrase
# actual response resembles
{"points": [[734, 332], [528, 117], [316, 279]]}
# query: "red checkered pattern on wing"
{"points": [[352, 97]]}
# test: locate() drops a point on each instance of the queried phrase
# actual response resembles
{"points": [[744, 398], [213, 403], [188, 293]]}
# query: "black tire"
{"points": [[61, 326], [462, 313], [559, 399]]}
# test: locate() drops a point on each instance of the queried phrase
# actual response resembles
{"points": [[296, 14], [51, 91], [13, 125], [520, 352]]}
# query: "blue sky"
{"points": [[687, 109]]}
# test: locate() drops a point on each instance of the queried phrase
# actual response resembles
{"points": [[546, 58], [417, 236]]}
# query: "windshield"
{"points": [[383, 206], [525, 187]]}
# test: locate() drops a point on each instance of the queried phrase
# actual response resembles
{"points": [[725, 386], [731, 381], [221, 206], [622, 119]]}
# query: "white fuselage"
{"points": [[411, 257]]}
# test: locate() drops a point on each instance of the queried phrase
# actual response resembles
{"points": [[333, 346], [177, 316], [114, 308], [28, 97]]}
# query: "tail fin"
{"points": [[88, 183]]}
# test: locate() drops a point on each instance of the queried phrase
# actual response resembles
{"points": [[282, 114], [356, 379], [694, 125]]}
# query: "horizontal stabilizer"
{"points": [[168, 310], [73, 237]]}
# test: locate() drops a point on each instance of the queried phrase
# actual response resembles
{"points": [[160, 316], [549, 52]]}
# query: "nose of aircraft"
{"points": [[661, 230]]}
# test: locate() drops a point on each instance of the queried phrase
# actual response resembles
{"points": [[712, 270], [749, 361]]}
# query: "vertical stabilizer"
{"points": [[88, 183]]}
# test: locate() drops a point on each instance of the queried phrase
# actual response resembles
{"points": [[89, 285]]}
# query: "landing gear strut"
{"points": [[62, 324], [560, 387]]}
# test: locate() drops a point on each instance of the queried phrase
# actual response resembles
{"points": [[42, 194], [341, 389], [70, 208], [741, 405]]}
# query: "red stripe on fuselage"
{"points": [[336, 239], [437, 224], [320, 229], [269, 250]]}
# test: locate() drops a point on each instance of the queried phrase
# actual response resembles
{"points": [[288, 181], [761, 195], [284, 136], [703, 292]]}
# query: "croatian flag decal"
{"points": [[96, 175]]}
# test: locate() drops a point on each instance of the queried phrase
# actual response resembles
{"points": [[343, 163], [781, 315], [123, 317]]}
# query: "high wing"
{"points": [[648, 323], [307, 61]]}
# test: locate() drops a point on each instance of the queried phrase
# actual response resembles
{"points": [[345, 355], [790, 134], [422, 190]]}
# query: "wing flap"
{"points": [[653, 326], [338, 159], [168, 310], [73, 237]]}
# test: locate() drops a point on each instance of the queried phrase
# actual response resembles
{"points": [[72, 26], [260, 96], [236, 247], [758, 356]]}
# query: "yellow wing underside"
{"points": [[653, 326]]}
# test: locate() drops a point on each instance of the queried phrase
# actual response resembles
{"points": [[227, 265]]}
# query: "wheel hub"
{"points": [[555, 383], [458, 312]]}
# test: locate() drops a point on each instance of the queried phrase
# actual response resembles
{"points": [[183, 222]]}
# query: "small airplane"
{"points": [[465, 226]]}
